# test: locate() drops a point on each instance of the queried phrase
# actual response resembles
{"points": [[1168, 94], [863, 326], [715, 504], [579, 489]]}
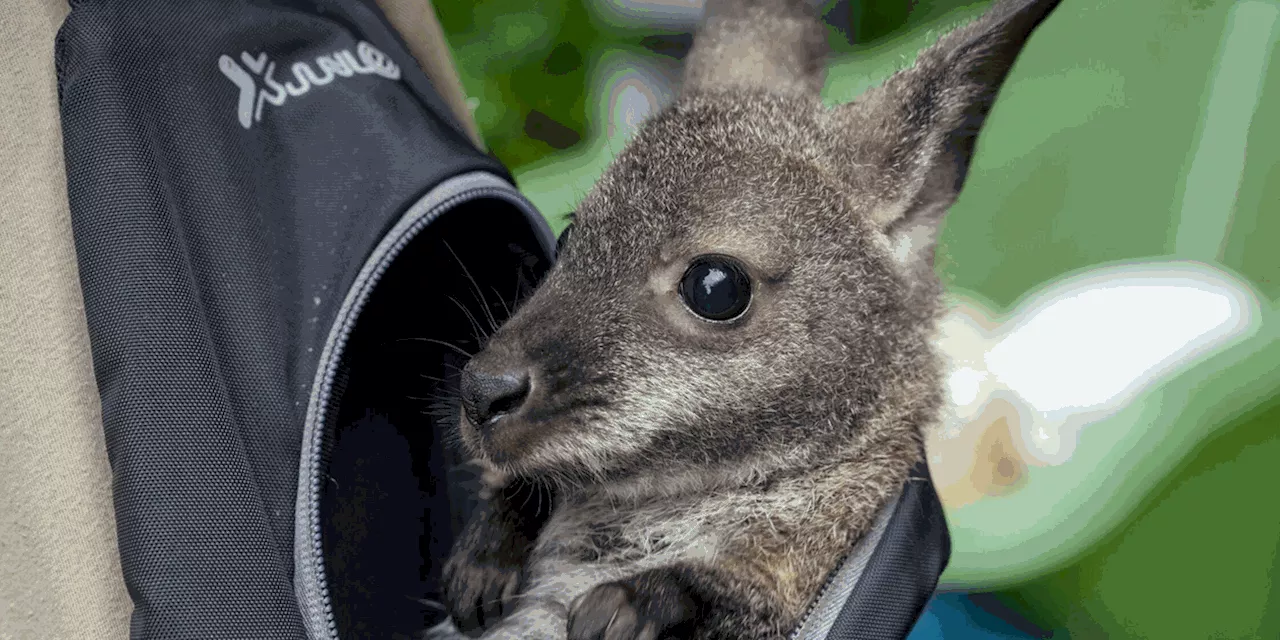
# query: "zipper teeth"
{"points": [[864, 547], [330, 371], [821, 595]]}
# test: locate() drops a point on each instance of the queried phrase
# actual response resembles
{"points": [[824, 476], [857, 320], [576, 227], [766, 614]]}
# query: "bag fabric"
{"points": [[59, 567], [232, 168]]}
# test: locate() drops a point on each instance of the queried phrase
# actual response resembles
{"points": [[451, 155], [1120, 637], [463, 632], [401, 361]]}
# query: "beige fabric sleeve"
{"points": [[59, 564], [417, 23]]}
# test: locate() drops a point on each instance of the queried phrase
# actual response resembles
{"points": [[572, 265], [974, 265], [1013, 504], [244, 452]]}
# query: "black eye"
{"points": [[716, 287]]}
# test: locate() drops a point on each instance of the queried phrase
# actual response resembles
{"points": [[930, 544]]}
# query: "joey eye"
{"points": [[716, 288]]}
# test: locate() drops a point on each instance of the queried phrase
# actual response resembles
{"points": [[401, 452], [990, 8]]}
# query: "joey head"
{"points": [[727, 373]]}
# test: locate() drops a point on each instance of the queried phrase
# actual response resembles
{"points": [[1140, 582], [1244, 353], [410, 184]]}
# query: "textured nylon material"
{"points": [[213, 259]]}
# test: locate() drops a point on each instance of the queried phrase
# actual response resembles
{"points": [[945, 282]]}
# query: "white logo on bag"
{"points": [[367, 60]]}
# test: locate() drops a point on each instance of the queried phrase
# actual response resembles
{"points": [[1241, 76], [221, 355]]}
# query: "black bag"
{"points": [[285, 241]]}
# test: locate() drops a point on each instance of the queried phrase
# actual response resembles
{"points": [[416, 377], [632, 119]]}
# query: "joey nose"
{"points": [[487, 397]]}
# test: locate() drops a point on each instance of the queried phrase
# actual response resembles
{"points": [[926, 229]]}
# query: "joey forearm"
{"points": [[519, 509], [505, 524], [486, 566]]}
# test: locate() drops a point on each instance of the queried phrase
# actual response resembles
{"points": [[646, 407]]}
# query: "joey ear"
{"points": [[774, 45], [922, 125]]}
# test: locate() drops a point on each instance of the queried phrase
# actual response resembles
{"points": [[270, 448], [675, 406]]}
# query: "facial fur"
{"points": [[627, 380]]}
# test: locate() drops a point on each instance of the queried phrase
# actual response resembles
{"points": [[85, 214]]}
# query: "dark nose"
{"points": [[487, 397]]}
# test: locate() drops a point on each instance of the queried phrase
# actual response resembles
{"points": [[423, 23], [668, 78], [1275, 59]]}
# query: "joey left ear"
{"points": [[772, 45], [922, 125]]}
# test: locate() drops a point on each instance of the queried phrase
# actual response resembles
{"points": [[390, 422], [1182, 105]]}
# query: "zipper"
{"points": [[822, 595], [846, 575], [310, 582]]}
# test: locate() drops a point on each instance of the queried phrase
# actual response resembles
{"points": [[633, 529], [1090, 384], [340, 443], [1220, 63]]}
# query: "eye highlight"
{"points": [[716, 288]]}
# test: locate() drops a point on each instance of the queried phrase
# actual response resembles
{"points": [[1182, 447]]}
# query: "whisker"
{"points": [[502, 302], [433, 410], [476, 330], [441, 402], [441, 412], [445, 396], [527, 497], [439, 342], [516, 295], [484, 304]]}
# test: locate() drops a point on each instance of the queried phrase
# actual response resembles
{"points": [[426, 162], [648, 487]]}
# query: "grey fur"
{"points": [[733, 466]]}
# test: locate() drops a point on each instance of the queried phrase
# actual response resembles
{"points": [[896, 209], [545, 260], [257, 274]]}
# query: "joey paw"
{"points": [[629, 610], [479, 594]]}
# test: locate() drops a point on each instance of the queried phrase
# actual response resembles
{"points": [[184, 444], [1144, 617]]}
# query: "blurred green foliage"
{"points": [[526, 63], [525, 71], [1197, 561]]}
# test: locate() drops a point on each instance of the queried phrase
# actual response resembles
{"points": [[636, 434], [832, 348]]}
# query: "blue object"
{"points": [[963, 616]]}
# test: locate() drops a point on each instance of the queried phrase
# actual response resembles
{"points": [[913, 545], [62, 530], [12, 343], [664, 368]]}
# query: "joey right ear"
{"points": [[772, 45], [917, 132]]}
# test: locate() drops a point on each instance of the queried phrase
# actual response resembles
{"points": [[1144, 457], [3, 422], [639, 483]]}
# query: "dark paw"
{"points": [[478, 595], [643, 608]]}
